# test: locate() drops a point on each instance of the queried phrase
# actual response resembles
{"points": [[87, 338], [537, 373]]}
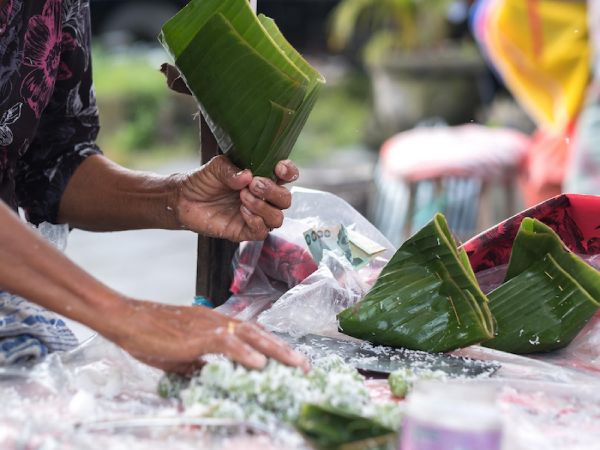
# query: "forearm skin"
{"points": [[103, 196], [32, 268]]}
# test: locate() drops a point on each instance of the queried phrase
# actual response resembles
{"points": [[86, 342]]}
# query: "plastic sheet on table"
{"points": [[97, 396], [550, 416]]}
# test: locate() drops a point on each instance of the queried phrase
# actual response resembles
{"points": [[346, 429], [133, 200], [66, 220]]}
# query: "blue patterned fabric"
{"points": [[28, 332]]}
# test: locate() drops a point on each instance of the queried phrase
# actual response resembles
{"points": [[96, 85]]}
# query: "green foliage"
{"points": [[144, 123], [392, 25], [141, 120], [128, 74]]}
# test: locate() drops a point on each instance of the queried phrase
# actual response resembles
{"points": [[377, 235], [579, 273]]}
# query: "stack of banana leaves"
{"points": [[427, 297], [249, 80]]}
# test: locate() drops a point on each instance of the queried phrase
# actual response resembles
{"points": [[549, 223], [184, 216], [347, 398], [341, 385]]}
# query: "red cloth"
{"points": [[575, 218]]}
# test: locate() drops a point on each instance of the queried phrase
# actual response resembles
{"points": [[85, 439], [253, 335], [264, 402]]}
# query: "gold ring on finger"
{"points": [[231, 327]]}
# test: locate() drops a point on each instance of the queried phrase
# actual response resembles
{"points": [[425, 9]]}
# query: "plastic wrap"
{"points": [[97, 396], [281, 271], [56, 234], [312, 306]]}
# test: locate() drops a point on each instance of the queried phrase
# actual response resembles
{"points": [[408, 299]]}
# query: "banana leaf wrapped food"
{"points": [[426, 298], [548, 296], [247, 78]]}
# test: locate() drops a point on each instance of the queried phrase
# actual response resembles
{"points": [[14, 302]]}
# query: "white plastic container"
{"points": [[451, 416]]}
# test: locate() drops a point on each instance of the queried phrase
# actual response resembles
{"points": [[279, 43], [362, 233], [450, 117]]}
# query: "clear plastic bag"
{"points": [[312, 306], [55, 234], [282, 270]]}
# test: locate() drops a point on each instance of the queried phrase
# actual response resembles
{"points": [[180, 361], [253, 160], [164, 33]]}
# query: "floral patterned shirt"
{"points": [[48, 115]]}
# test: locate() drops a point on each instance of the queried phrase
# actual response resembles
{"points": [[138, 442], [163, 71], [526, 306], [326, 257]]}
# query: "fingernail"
{"points": [[239, 174], [259, 360], [306, 367], [260, 185], [284, 170], [304, 364], [300, 358]]}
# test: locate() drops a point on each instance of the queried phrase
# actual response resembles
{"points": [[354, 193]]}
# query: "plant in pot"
{"points": [[420, 58]]}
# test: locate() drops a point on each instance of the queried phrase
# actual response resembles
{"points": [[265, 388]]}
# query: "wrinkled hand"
{"points": [[174, 338], [221, 201]]}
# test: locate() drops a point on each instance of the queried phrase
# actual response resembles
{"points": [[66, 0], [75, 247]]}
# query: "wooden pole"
{"points": [[214, 269]]}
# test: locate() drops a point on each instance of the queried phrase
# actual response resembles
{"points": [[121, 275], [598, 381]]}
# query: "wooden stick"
{"points": [[214, 270]]}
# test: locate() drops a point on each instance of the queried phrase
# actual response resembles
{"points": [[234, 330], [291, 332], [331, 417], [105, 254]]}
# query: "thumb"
{"points": [[228, 174]]}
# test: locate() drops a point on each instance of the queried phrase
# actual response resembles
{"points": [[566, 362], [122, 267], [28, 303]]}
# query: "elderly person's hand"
{"points": [[220, 200], [174, 338]]}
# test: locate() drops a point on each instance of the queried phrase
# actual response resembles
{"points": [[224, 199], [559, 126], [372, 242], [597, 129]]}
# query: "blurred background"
{"points": [[413, 119]]}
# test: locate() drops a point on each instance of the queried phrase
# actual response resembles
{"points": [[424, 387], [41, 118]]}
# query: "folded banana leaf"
{"points": [[328, 428], [548, 296], [534, 240], [426, 298], [247, 78]]}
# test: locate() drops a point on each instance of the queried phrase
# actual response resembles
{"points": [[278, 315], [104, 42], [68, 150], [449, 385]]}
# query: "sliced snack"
{"points": [[332, 391], [401, 381]]}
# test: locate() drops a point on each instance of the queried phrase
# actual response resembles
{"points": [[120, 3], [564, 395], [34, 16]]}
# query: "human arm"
{"points": [[169, 337], [217, 200], [62, 177]]}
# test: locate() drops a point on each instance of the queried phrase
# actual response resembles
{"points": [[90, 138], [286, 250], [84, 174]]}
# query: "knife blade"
{"points": [[379, 359]]}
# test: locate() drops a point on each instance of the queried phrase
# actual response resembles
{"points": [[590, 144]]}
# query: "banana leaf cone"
{"points": [[548, 296], [426, 298], [251, 82]]}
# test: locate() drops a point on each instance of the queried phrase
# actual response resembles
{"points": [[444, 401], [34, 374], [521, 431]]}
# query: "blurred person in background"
{"points": [[51, 167]]}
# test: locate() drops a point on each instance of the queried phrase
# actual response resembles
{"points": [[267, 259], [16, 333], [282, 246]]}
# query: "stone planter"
{"points": [[443, 84]]}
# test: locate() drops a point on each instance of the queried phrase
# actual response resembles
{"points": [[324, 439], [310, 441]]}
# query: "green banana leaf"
{"points": [[314, 77], [178, 33], [285, 143], [251, 82], [548, 297], [426, 298], [263, 88], [534, 240], [329, 428]]}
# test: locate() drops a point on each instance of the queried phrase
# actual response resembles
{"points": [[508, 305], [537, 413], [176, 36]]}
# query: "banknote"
{"points": [[357, 249]]}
